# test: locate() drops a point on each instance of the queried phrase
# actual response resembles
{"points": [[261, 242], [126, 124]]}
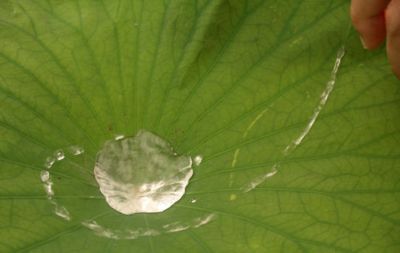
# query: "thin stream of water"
{"points": [[299, 139]]}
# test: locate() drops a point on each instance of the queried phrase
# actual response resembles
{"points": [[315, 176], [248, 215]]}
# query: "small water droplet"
{"points": [[48, 188], [151, 232], [119, 137], [59, 155], [49, 162], [44, 176], [141, 174], [76, 150], [176, 227], [197, 160], [62, 212], [204, 220]]}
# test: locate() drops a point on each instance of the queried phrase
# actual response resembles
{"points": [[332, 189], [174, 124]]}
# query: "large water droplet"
{"points": [[141, 174]]}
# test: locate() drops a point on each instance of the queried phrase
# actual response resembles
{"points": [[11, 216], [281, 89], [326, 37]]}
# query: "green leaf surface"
{"points": [[238, 82]]}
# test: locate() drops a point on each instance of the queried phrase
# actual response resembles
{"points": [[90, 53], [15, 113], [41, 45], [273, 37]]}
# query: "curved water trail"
{"points": [[299, 139]]}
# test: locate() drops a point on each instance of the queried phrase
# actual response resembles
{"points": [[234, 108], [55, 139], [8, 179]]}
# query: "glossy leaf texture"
{"points": [[235, 81]]}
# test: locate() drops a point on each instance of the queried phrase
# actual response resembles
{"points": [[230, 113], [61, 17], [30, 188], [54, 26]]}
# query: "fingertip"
{"points": [[393, 35], [393, 52], [373, 32], [368, 19], [396, 71]]}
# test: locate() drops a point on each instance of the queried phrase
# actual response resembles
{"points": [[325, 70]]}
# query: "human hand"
{"points": [[376, 20]]}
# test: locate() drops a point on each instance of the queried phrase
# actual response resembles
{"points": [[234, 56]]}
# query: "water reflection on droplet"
{"points": [[141, 174]]}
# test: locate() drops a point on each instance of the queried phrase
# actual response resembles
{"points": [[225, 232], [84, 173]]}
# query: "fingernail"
{"points": [[363, 43]]}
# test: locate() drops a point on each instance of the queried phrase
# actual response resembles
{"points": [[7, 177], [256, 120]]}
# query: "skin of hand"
{"points": [[377, 20]]}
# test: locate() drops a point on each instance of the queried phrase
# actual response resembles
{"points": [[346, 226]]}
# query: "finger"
{"points": [[393, 35], [368, 18]]}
